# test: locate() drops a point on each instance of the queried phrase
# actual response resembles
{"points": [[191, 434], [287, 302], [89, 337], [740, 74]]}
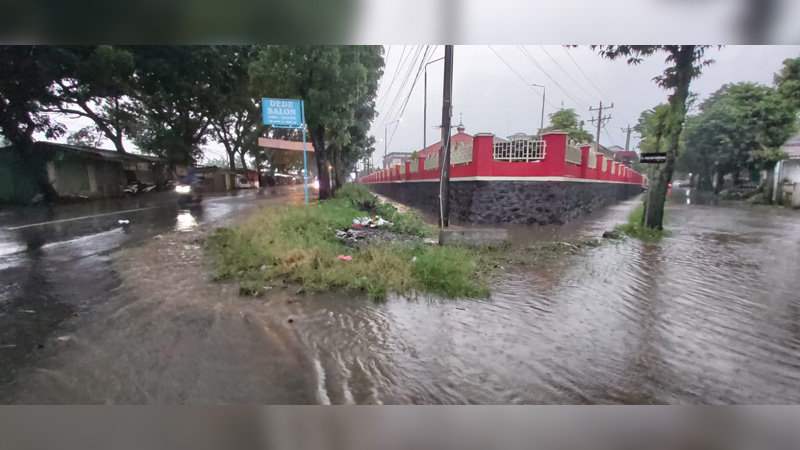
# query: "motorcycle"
{"points": [[138, 188], [188, 195]]}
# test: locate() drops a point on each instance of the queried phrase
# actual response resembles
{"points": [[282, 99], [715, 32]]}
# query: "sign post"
{"points": [[287, 113], [650, 158]]}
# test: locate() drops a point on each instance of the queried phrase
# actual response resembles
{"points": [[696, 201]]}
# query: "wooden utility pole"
{"points": [[600, 120], [628, 138], [444, 153]]}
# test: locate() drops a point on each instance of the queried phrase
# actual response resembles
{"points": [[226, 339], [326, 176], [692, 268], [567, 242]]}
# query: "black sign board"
{"points": [[653, 158]]}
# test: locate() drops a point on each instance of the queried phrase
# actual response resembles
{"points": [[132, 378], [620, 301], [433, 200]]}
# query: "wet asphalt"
{"points": [[56, 262]]}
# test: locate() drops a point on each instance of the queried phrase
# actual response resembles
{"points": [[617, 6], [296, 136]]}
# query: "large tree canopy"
{"points": [[334, 82], [740, 126]]}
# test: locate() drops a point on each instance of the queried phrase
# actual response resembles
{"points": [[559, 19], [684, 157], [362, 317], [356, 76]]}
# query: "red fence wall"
{"points": [[483, 165]]}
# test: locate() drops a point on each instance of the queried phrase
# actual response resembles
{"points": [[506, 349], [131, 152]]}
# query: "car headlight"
{"points": [[183, 189]]}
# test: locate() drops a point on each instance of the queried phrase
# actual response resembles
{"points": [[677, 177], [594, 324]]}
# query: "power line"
{"points": [[397, 70], [527, 83], [577, 102], [402, 85], [425, 59], [584, 74], [568, 75]]}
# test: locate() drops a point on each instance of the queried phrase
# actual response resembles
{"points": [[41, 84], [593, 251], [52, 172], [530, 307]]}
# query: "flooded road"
{"points": [[709, 315], [56, 266]]}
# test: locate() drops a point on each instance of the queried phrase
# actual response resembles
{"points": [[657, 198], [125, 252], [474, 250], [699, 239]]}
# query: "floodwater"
{"points": [[710, 315]]}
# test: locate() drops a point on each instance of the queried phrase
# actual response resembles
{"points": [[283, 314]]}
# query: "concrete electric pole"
{"points": [[628, 138], [601, 120], [444, 153]]}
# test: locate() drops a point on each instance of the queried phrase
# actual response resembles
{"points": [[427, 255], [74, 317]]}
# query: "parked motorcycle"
{"points": [[138, 188], [188, 195]]}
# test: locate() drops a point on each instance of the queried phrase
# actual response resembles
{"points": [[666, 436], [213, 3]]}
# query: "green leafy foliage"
{"points": [[567, 120]]}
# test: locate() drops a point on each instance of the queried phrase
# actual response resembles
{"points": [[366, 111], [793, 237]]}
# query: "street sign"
{"points": [[282, 112], [287, 113], [653, 158]]}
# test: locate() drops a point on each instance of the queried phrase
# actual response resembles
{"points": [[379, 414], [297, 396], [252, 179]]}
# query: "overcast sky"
{"points": [[492, 98]]}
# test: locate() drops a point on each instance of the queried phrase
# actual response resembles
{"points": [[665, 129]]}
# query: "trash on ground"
{"points": [[8, 346], [29, 311], [373, 222], [124, 221], [431, 241], [345, 257], [64, 338], [413, 259]]}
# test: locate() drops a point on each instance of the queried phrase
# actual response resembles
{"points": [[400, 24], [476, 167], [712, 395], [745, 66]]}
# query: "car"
{"points": [[678, 184], [242, 182]]}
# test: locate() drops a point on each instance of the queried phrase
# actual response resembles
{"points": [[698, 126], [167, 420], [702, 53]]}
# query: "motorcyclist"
{"points": [[193, 180]]}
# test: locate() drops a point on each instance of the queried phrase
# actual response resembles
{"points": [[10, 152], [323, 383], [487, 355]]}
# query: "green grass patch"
{"points": [[299, 244], [636, 229]]}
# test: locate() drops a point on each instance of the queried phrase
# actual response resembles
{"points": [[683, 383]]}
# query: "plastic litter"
{"points": [[124, 221], [413, 259], [373, 222], [431, 241], [345, 257]]}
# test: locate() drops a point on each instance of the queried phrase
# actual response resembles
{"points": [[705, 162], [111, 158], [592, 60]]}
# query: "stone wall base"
{"points": [[518, 202]]}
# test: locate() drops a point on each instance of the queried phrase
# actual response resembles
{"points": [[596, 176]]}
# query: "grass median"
{"points": [[298, 243], [635, 227]]}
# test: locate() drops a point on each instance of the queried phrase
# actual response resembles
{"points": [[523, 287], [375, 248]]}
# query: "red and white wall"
{"points": [[483, 167]]}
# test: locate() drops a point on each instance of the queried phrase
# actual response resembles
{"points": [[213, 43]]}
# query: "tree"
{"points": [[740, 126], [86, 136], [685, 63], [788, 81], [177, 91], [26, 74], [567, 120], [96, 86], [238, 124], [333, 81]]}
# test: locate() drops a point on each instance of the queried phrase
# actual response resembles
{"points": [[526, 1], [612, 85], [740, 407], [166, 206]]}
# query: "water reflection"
{"points": [[186, 221], [705, 316]]}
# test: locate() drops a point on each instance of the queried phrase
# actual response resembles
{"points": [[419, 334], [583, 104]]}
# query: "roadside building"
{"points": [[395, 158], [787, 174], [75, 171], [626, 158]]}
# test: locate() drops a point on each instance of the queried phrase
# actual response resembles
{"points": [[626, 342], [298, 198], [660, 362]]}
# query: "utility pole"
{"points": [[628, 138], [444, 153], [601, 120], [425, 107], [544, 92]]}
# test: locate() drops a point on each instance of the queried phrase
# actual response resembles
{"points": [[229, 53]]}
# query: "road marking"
{"points": [[86, 217]]}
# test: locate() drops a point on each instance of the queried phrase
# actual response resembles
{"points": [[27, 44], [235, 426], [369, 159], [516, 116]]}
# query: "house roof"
{"points": [[792, 147], [459, 137], [627, 154], [93, 152]]}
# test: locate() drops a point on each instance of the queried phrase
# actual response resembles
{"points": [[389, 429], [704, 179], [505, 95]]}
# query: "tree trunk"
{"points": [[684, 70], [767, 185], [241, 158], [720, 175], [231, 159], [337, 169], [706, 183], [318, 139]]}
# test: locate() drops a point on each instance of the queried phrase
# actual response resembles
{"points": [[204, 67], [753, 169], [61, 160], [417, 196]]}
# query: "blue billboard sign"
{"points": [[282, 112]]}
